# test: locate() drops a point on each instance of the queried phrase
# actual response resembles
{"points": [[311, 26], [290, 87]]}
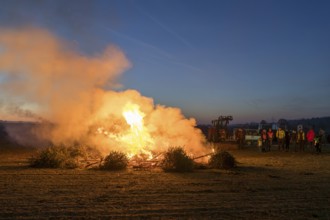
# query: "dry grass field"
{"points": [[272, 185]]}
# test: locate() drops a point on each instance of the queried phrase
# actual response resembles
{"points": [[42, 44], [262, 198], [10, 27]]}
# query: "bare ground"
{"points": [[272, 185]]}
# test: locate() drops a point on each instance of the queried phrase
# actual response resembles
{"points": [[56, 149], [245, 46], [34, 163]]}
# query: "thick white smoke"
{"points": [[59, 85]]}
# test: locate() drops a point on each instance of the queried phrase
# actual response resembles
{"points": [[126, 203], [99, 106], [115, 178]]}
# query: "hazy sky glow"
{"points": [[252, 59]]}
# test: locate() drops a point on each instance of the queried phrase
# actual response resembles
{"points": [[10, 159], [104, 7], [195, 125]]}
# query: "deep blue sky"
{"points": [[252, 59]]}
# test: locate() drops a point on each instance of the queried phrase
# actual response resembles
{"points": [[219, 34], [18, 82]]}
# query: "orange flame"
{"points": [[138, 138]]}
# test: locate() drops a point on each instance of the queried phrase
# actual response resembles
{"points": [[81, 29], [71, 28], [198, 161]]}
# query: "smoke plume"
{"points": [[60, 85]]}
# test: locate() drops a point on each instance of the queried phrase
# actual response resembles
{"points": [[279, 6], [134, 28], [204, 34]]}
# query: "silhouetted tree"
{"points": [[263, 122]]}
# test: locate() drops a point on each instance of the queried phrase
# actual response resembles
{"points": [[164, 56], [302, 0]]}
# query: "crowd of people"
{"points": [[297, 139]]}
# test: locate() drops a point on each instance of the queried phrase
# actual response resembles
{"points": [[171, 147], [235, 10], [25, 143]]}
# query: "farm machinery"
{"points": [[218, 132]]}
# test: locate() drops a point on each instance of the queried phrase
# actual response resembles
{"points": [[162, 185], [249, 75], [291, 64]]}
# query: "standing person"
{"points": [[270, 135], [317, 144], [280, 135], [287, 140], [264, 140], [294, 139], [310, 137], [322, 137], [301, 139], [240, 136]]}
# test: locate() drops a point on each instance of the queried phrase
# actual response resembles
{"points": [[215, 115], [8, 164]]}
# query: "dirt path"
{"points": [[273, 185]]}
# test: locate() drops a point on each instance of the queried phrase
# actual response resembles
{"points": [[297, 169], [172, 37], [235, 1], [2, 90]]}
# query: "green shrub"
{"points": [[58, 157], [115, 161], [222, 160], [176, 160]]}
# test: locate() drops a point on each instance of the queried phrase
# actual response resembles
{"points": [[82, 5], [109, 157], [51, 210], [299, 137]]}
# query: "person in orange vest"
{"points": [[270, 136], [280, 135], [301, 139]]}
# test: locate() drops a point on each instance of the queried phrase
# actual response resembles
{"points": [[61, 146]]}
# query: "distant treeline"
{"points": [[316, 123]]}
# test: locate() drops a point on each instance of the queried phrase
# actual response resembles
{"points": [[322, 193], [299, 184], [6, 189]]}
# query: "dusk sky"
{"points": [[252, 59]]}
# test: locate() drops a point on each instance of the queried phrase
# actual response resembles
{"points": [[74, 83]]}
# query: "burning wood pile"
{"points": [[144, 162], [174, 159]]}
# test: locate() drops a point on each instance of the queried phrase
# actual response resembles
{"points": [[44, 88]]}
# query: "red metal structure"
{"points": [[219, 130]]}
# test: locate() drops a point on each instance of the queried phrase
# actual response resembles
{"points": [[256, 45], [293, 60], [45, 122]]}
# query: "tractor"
{"points": [[218, 132]]}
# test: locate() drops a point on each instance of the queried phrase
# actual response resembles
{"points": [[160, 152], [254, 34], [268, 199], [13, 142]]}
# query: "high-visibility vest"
{"points": [[280, 134], [300, 136], [270, 134]]}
